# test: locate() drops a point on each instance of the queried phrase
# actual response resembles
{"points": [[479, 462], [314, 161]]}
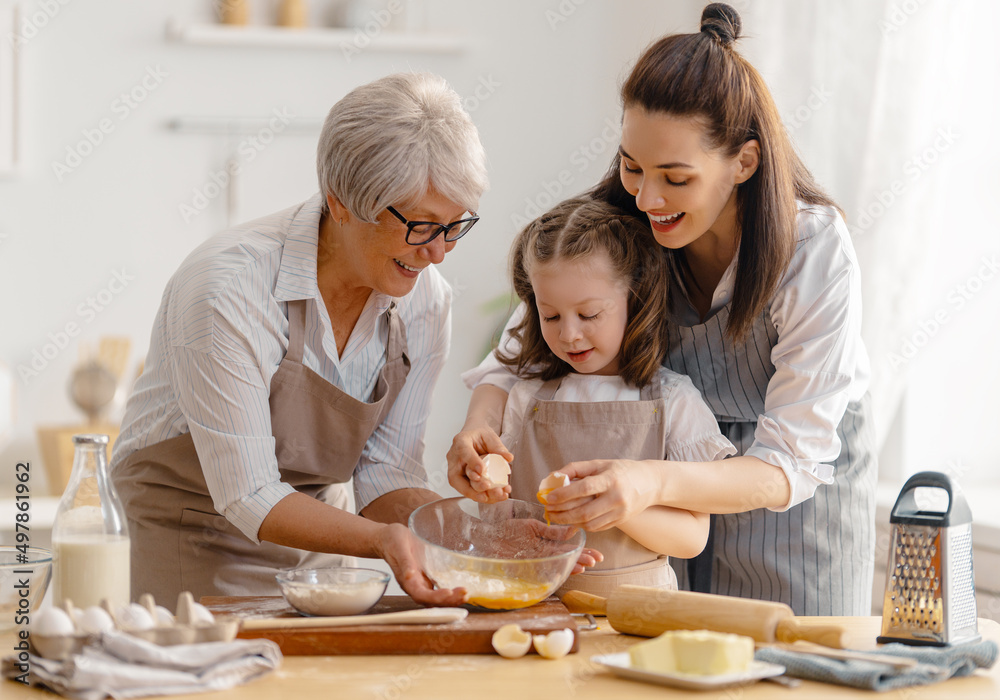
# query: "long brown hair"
{"points": [[574, 230], [702, 76]]}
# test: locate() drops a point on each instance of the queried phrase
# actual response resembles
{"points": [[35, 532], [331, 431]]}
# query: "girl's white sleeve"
{"points": [[490, 371], [692, 432]]}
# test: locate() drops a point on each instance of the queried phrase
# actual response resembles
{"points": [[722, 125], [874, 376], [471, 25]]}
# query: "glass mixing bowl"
{"points": [[24, 577], [503, 554]]}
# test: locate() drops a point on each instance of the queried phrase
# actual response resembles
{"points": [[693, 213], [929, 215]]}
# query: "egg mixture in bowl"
{"points": [[503, 554]]}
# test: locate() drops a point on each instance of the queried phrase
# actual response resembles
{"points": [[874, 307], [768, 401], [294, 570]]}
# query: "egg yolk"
{"points": [[541, 499], [517, 594]]}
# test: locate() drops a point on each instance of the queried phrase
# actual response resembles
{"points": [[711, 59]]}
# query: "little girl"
{"points": [[588, 350]]}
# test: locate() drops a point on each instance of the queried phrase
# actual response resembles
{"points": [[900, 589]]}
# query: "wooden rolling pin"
{"points": [[648, 612], [418, 616]]}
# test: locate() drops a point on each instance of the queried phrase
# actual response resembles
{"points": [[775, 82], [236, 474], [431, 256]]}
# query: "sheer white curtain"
{"points": [[894, 107]]}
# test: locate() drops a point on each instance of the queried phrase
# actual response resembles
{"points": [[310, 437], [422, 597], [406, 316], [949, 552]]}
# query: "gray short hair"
{"points": [[390, 141]]}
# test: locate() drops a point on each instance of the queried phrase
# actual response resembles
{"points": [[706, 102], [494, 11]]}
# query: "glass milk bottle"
{"points": [[90, 543]]}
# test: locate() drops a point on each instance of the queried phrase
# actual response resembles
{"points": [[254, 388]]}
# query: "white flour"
{"points": [[344, 599]]}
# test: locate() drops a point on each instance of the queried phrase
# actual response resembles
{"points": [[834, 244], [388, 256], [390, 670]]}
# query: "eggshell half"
{"points": [[550, 483], [496, 470], [511, 642], [554, 645]]}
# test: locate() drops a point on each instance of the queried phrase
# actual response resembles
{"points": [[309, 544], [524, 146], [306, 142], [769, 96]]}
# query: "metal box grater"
{"points": [[930, 593]]}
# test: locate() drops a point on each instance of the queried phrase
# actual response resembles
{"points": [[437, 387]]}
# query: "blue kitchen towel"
{"points": [[936, 664]]}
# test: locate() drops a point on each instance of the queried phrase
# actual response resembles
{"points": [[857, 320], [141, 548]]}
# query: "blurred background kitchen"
{"points": [[132, 131]]}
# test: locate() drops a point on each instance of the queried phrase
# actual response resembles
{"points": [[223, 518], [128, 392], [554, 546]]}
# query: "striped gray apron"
{"points": [[818, 557]]}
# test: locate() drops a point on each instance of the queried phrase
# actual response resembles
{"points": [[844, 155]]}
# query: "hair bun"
{"points": [[722, 21]]}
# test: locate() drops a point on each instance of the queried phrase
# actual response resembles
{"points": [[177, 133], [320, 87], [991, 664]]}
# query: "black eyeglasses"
{"points": [[423, 232]]}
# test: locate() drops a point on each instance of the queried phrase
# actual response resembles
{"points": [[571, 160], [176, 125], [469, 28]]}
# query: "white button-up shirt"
{"points": [[219, 336]]}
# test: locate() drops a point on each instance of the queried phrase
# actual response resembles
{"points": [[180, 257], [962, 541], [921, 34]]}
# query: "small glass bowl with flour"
{"points": [[332, 591]]}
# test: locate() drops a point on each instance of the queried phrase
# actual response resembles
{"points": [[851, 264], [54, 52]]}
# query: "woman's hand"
{"points": [[398, 547], [603, 493], [465, 467]]}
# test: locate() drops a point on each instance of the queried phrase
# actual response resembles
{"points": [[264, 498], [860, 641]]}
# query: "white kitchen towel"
{"points": [[122, 666], [935, 664]]}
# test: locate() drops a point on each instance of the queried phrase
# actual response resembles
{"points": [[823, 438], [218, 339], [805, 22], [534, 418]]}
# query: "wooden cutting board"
{"points": [[470, 636]]}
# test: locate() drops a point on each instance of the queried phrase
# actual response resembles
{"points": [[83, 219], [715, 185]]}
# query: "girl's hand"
{"points": [[602, 493], [398, 547], [465, 468], [588, 557]]}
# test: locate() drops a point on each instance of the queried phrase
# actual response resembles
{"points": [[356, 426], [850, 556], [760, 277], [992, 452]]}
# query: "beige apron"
{"points": [[558, 432], [181, 543]]}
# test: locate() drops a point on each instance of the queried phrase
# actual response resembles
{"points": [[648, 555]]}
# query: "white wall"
{"points": [[553, 67], [546, 72]]}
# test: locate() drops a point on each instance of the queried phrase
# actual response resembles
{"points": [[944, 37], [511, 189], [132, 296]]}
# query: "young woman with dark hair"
{"points": [[764, 316]]}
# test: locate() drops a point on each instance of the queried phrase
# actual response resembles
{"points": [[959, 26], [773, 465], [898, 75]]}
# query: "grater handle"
{"points": [[906, 511]]}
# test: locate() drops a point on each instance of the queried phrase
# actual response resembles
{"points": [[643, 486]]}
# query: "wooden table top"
{"points": [[575, 676]]}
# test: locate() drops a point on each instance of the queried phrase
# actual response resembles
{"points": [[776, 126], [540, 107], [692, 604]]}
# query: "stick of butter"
{"points": [[698, 652]]}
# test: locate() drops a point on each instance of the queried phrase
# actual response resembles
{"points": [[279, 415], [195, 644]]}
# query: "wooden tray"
{"points": [[471, 636]]}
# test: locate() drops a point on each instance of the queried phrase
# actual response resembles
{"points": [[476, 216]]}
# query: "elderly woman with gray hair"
{"points": [[298, 351]]}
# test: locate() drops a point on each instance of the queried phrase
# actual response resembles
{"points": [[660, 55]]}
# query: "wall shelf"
{"points": [[348, 40]]}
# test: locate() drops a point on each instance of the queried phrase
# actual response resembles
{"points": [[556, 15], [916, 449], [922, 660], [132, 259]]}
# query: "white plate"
{"points": [[620, 665]]}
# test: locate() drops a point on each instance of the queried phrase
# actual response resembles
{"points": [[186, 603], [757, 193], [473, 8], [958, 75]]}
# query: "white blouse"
{"points": [[820, 360]]}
